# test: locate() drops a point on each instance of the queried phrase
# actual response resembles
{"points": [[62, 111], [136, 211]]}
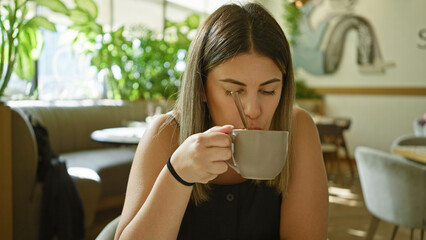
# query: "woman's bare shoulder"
{"points": [[162, 132], [301, 117], [303, 127], [165, 122], [300, 112]]}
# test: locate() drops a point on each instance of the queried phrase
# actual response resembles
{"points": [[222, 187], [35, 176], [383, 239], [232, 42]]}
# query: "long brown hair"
{"points": [[229, 31]]}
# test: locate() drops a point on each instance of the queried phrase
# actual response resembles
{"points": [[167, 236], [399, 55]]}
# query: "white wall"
{"points": [[131, 12], [376, 119], [397, 25], [150, 12]]}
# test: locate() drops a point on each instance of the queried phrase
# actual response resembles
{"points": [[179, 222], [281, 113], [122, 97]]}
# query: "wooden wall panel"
{"points": [[6, 214], [373, 91]]}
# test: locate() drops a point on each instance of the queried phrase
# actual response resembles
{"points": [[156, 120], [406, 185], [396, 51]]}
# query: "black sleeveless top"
{"points": [[239, 211]]}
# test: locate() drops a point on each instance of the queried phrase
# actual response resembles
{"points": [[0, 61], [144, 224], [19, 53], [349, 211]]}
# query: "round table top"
{"points": [[119, 135]]}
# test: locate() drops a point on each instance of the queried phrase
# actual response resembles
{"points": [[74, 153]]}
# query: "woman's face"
{"points": [[256, 78]]}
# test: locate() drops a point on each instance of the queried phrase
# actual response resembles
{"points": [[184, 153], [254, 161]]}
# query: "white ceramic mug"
{"points": [[258, 154]]}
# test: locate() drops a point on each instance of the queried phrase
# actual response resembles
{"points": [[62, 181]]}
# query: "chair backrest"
{"points": [[333, 128], [26, 190], [108, 231], [394, 188], [329, 130], [411, 140]]}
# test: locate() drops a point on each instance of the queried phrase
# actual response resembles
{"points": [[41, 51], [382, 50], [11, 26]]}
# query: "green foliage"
{"points": [[88, 6], [304, 92], [54, 5], [291, 17], [137, 62], [21, 40]]}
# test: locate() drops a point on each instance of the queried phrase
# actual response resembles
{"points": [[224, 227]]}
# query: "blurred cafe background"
{"points": [[80, 80]]}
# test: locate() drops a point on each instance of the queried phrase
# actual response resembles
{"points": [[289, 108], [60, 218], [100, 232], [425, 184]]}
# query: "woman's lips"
{"points": [[255, 128]]}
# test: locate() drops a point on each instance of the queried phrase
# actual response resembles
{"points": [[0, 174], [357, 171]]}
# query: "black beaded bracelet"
{"points": [[174, 173]]}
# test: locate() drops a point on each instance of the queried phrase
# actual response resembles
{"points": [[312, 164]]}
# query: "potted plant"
{"points": [[21, 40], [136, 62], [308, 98], [291, 18]]}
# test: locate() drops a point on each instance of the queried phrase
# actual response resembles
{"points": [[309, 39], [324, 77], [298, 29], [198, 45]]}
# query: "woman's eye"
{"points": [[268, 92], [228, 93]]}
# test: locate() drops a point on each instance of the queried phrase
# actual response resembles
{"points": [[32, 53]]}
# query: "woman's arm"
{"points": [[304, 210], [138, 219], [155, 201]]}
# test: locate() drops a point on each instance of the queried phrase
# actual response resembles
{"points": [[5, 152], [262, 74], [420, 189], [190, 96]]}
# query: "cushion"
{"points": [[111, 164]]}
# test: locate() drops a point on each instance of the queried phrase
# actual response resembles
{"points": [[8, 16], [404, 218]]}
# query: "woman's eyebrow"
{"points": [[233, 81], [270, 81], [229, 80]]}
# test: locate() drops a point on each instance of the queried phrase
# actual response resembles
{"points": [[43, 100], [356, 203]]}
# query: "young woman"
{"points": [[243, 49]]}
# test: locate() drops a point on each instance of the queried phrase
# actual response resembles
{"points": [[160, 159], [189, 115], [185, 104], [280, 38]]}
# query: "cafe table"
{"points": [[119, 135], [416, 153]]}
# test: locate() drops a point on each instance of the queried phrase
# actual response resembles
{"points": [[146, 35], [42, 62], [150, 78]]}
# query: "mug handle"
{"points": [[233, 164]]}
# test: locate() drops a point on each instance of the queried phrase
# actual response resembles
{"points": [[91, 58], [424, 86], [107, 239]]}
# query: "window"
{"points": [[64, 73]]}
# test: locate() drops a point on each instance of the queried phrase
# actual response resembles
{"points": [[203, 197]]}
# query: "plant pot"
{"points": [[314, 106]]}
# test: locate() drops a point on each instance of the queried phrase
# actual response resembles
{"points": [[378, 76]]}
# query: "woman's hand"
{"points": [[201, 157]]}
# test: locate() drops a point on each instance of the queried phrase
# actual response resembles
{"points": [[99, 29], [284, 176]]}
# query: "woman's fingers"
{"points": [[207, 177], [217, 168], [201, 157], [215, 154], [222, 129], [214, 160], [213, 139]]}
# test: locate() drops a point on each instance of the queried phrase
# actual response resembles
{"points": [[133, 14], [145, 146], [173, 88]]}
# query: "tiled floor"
{"points": [[348, 216]]}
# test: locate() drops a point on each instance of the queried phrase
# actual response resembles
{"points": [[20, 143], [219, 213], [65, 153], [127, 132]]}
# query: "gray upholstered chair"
{"points": [[108, 231], [394, 189], [409, 140]]}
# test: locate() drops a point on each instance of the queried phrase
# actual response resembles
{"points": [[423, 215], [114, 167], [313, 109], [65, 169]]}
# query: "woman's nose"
{"points": [[252, 107]]}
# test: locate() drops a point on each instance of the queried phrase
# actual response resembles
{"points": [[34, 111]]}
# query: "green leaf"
{"points": [[78, 16], [36, 51], [28, 36], [81, 28], [54, 5], [88, 6], [26, 40], [95, 27], [168, 24], [96, 61], [193, 21], [30, 45], [24, 65], [118, 33], [39, 21], [19, 2], [87, 28]]}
